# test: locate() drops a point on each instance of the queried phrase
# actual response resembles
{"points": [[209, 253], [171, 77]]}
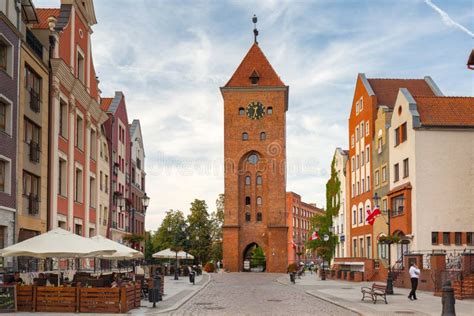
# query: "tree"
{"points": [[257, 257], [169, 233], [199, 231], [217, 220]]}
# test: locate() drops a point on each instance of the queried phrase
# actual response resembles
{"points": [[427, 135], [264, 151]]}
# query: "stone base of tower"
{"points": [[230, 248], [277, 256]]}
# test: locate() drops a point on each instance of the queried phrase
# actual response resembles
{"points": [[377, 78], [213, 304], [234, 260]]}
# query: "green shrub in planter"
{"points": [[209, 267]]}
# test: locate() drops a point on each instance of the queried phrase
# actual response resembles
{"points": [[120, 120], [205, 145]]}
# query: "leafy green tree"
{"points": [[217, 220], [199, 232], [169, 234], [257, 257]]}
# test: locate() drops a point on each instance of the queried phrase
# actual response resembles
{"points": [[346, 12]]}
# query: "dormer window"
{"points": [[254, 77]]}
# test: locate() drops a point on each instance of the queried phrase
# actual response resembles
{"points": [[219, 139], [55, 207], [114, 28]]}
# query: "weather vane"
{"points": [[255, 31]]}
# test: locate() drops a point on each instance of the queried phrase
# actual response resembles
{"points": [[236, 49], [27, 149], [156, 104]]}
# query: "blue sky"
{"points": [[170, 58]]}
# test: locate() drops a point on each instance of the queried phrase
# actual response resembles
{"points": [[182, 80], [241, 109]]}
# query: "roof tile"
{"points": [[43, 15], [446, 111], [105, 103], [386, 90]]}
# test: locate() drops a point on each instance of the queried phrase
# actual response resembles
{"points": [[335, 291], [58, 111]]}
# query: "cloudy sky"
{"points": [[170, 58]]}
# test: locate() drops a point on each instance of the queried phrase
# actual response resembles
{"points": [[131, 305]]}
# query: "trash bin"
{"points": [[154, 294]]}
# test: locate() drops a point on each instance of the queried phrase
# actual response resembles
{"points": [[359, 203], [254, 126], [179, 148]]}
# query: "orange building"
{"points": [[368, 96], [255, 105], [299, 227]]}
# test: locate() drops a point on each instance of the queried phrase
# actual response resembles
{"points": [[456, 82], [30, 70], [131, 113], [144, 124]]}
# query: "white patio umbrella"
{"points": [[57, 243], [123, 252], [170, 254]]}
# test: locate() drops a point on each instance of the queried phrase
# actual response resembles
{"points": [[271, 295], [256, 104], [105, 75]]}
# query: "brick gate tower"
{"points": [[255, 105]]}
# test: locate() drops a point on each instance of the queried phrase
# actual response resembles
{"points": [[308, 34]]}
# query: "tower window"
{"points": [[253, 159], [269, 110], [247, 200], [259, 200], [259, 217], [245, 136], [259, 180], [247, 217], [241, 111], [247, 180], [263, 136]]}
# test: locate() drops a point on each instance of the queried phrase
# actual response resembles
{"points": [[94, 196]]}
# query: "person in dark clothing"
{"points": [[15, 279], [414, 276]]}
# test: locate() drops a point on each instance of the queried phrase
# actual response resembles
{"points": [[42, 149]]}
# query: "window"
{"points": [[379, 145], [93, 145], [241, 111], [457, 238], [367, 128], [78, 186], [63, 118], [32, 139], [357, 161], [352, 164], [446, 238], [247, 180], [369, 246], [404, 132], [361, 215], [405, 168], [377, 178], [106, 183], [78, 229], [80, 66], [434, 238], [363, 186], [353, 189], [252, 159], [352, 141], [263, 136], [33, 88], [92, 192], [247, 200], [384, 204], [62, 175], [362, 130], [79, 132], [6, 56], [368, 183], [3, 56], [269, 110], [354, 217], [354, 246], [358, 188], [259, 217], [247, 217], [362, 158], [367, 154], [5, 176], [3, 116], [31, 187], [101, 178], [384, 174], [259, 180], [397, 136], [259, 200], [398, 205], [245, 136], [396, 175], [470, 238], [357, 134], [361, 242]]}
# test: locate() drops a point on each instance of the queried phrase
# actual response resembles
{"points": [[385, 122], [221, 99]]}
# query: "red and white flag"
{"points": [[371, 216], [314, 236]]}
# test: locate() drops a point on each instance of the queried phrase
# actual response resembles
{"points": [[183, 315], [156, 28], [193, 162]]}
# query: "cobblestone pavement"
{"points": [[255, 294]]}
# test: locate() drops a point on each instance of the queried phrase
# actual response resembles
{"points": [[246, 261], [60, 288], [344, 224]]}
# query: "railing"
{"points": [[35, 102], [34, 43], [453, 257], [34, 152], [33, 204]]}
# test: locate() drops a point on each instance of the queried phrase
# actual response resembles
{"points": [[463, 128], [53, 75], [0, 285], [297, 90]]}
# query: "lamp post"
{"points": [[326, 238], [389, 288], [145, 201]]}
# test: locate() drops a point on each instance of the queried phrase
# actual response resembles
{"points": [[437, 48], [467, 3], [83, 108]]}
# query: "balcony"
{"points": [[33, 204], [34, 152], [35, 102], [34, 43]]}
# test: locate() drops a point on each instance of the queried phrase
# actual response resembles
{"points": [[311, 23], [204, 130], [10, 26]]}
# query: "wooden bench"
{"points": [[374, 291]]}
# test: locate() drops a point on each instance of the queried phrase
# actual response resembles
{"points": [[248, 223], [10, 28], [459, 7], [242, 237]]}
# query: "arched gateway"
{"points": [[255, 105], [254, 258]]}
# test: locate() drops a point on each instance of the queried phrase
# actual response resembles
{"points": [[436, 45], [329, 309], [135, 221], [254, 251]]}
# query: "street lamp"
{"points": [[389, 289], [145, 201], [121, 202], [326, 238]]}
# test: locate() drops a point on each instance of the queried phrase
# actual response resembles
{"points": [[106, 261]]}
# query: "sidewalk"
{"points": [[348, 295]]}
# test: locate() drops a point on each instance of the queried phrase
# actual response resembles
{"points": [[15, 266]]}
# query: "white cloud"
{"points": [[448, 20]]}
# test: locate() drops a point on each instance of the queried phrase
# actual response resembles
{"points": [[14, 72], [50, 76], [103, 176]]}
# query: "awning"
{"points": [[28, 12]]}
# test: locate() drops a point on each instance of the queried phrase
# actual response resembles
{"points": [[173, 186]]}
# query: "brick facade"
{"points": [[255, 206]]}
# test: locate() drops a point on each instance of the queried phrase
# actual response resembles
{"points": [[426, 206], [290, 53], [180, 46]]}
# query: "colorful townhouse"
{"points": [[75, 118], [299, 227], [369, 95], [137, 186], [118, 138], [104, 184], [340, 159], [432, 183]]}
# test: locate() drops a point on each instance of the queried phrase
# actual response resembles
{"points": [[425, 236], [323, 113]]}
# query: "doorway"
{"points": [[254, 258]]}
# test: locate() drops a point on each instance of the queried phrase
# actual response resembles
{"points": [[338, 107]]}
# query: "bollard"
{"points": [[154, 294], [192, 277], [292, 277], [448, 300]]}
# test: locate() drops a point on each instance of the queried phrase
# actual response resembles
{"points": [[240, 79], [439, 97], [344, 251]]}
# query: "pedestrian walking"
{"points": [[414, 276]]}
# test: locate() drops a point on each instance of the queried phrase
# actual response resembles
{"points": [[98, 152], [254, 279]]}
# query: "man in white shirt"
{"points": [[414, 276]]}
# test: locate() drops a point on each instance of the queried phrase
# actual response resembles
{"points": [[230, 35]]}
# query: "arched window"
{"points": [[241, 111], [259, 180], [263, 136], [269, 110], [247, 217], [253, 159], [247, 200], [247, 180], [259, 200], [259, 217], [245, 136]]}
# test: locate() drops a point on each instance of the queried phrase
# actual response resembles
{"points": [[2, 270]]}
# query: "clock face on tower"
{"points": [[255, 110]]}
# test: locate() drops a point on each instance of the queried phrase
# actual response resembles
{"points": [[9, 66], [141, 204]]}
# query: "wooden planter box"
{"points": [[99, 300], [56, 299], [25, 297]]}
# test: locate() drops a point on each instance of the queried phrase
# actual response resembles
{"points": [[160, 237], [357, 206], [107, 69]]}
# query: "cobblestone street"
{"points": [[255, 294]]}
